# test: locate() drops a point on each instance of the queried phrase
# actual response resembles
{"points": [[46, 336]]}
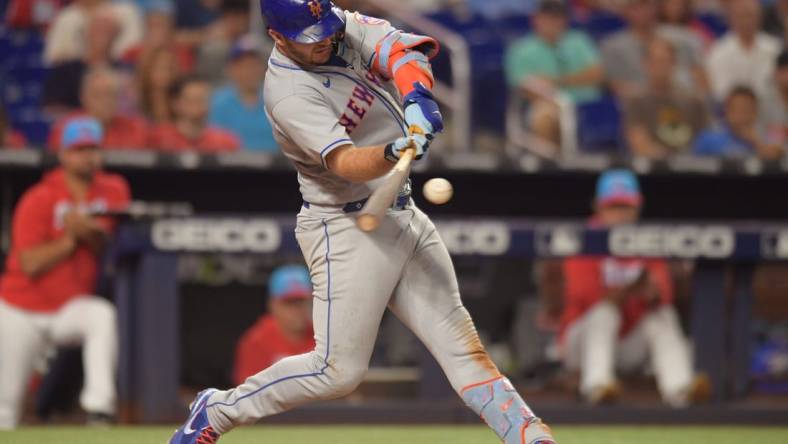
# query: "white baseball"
{"points": [[438, 190]]}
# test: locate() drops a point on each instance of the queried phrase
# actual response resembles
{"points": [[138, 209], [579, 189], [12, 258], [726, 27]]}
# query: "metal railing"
{"points": [[520, 138], [456, 97]]}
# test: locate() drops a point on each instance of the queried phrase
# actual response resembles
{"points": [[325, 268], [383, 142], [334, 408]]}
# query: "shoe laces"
{"points": [[207, 436]]}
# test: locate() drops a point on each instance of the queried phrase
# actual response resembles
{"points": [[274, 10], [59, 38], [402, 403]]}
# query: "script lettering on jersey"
{"points": [[62, 207], [355, 110], [373, 78]]}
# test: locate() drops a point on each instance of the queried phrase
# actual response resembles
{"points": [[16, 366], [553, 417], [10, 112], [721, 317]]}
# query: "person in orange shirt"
{"points": [[618, 312], [47, 291], [190, 99], [100, 97], [285, 331]]}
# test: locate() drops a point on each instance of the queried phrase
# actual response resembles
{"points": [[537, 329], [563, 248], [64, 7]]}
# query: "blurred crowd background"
{"points": [[651, 78], [556, 79]]}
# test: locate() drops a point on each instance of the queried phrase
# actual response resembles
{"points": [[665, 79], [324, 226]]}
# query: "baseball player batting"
{"points": [[342, 89]]}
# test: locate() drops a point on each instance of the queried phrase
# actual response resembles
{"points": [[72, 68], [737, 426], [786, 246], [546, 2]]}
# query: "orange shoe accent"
{"points": [[505, 406], [468, 387]]}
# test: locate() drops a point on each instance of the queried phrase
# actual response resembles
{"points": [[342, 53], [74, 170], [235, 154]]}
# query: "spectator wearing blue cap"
{"points": [[616, 314], [285, 330], [238, 106], [47, 293]]}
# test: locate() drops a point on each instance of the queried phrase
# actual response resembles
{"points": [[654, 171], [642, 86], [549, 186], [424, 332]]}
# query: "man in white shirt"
{"points": [[744, 56], [66, 38]]}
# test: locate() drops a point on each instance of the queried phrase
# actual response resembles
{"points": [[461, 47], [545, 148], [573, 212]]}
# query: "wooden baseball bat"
{"points": [[383, 197]]}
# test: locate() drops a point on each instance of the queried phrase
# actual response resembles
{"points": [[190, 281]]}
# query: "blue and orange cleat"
{"points": [[196, 429]]}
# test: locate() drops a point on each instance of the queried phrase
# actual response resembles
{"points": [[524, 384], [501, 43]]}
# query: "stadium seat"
{"points": [[601, 24], [513, 27], [714, 22], [22, 75], [599, 126]]}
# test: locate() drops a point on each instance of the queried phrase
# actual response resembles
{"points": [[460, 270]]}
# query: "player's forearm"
{"points": [[591, 76], [37, 260], [359, 165]]}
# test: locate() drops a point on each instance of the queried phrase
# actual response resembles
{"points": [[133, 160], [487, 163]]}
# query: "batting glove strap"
{"points": [[390, 154], [419, 142], [422, 110]]}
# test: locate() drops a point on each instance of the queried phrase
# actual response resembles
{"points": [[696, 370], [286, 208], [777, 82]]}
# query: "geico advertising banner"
{"points": [[487, 237]]}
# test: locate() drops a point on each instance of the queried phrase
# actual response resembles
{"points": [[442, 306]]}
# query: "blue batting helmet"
{"points": [[304, 21]]}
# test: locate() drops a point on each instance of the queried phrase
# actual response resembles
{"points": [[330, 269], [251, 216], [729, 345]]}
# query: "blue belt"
{"points": [[351, 207]]}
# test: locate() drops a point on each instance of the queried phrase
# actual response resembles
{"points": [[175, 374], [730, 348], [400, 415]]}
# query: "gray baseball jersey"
{"points": [[344, 102]]}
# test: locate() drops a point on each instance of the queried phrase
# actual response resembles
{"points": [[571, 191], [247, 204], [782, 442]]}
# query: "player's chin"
{"points": [[321, 57]]}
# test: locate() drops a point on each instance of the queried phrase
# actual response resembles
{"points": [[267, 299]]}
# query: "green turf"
{"points": [[403, 435]]}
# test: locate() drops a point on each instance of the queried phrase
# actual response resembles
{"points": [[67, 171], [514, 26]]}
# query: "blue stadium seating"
{"points": [[714, 22], [601, 24], [22, 75], [599, 126]]}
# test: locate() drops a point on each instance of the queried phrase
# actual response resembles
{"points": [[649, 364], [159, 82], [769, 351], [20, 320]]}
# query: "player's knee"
{"points": [[101, 314], [604, 315], [662, 320], [345, 379]]}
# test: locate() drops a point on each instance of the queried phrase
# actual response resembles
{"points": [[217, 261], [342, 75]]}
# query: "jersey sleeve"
{"points": [[391, 53], [363, 33], [32, 220], [311, 125]]}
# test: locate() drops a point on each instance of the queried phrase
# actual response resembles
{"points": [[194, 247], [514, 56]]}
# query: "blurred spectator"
{"points": [[196, 14], [287, 328], [31, 13], [238, 106], [10, 138], [618, 312], [664, 119], [495, 9], [777, 104], [740, 134], [63, 84], [622, 53], [550, 60], [189, 98], [232, 24], [689, 36], [743, 56], [156, 71], [100, 94], [775, 20], [47, 291], [677, 18], [67, 39], [160, 33]]}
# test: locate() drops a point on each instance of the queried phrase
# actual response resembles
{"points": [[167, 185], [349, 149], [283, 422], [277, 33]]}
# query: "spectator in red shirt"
{"points": [[10, 138], [101, 91], [47, 292], [190, 98], [618, 312], [285, 331]]}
